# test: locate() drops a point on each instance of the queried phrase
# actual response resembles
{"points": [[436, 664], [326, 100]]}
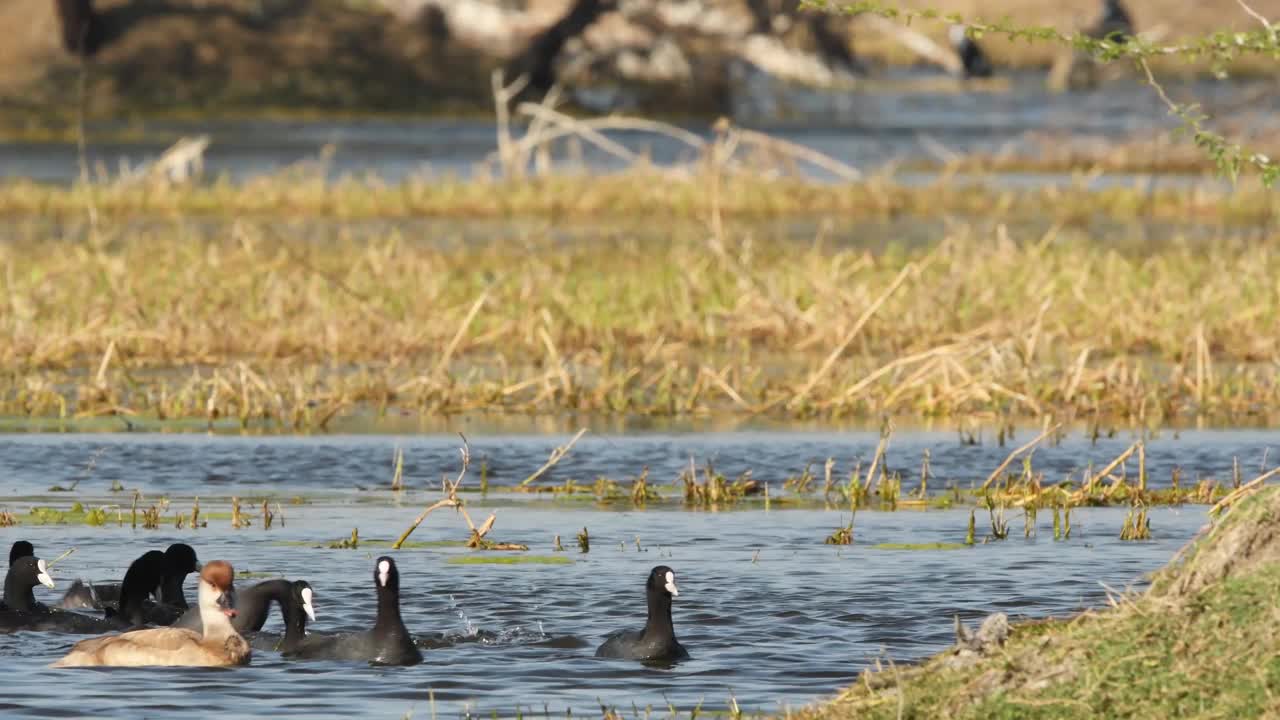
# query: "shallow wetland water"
{"points": [[772, 616]]}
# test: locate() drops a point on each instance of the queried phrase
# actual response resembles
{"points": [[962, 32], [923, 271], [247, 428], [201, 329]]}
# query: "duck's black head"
{"points": [[23, 575], [385, 574], [20, 549], [304, 598], [662, 581], [180, 559]]}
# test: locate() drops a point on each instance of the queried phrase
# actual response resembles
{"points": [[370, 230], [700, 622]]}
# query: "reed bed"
{"points": [[684, 192], [276, 331]]}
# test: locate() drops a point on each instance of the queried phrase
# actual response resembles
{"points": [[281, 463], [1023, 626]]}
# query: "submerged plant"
{"points": [[999, 526], [640, 490], [351, 543], [802, 483], [842, 535], [1136, 525]]}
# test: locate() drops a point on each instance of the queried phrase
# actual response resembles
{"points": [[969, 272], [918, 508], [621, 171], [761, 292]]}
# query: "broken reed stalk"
{"points": [[1112, 465], [924, 475], [556, 456], [886, 431], [831, 359], [443, 365], [1142, 467], [450, 498], [1242, 491], [56, 560], [1032, 443], [397, 478]]}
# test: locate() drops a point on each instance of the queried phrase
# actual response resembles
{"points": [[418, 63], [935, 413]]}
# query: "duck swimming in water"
{"points": [[22, 612], [155, 573], [20, 549], [217, 644], [388, 643], [297, 604], [657, 639]]}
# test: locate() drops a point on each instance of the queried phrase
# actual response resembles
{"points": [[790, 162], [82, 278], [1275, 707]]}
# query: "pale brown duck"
{"points": [[218, 645]]}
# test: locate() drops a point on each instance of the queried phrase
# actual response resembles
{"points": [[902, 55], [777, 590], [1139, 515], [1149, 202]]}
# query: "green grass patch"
{"points": [[1189, 647], [510, 560]]}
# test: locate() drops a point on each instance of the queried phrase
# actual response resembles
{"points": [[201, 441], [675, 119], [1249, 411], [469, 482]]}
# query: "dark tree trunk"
{"points": [[762, 15], [832, 46], [538, 60], [81, 26]]}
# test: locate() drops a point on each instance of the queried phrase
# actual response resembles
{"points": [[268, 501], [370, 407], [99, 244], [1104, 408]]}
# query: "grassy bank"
{"points": [[1195, 645], [266, 323]]}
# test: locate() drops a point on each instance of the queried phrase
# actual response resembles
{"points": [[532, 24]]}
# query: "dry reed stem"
{"points": [[443, 364], [450, 499], [1242, 491], [918, 43], [1018, 451], [556, 456], [849, 336], [1089, 481]]}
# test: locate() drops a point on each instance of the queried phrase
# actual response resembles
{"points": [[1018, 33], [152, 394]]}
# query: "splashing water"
{"points": [[467, 625]]}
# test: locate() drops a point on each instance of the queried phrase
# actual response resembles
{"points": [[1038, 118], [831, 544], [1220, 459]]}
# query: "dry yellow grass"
{"points": [[245, 320]]}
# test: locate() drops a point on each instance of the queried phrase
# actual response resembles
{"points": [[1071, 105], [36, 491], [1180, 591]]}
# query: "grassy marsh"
{"points": [[1189, 643], [279, 332]]}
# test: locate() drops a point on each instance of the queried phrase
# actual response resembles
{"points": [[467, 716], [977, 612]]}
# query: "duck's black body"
{"points": [[161, 574], [22, 612], [388, 643], [657, 640]]}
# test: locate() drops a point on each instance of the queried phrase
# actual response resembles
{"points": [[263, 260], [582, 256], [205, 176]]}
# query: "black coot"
{"points": [[22, 612], [388, 643], [657, 640], [161, 574]]}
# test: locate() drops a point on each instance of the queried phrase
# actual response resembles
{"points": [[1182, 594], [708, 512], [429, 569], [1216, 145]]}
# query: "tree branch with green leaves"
{"points": [[1220, 48]]}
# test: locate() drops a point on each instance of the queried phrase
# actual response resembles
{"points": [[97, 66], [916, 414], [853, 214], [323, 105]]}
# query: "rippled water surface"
{"points": [[771, 615]]}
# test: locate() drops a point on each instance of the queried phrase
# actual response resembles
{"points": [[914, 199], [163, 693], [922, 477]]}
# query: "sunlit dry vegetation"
{"points": [[252, 323]]}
